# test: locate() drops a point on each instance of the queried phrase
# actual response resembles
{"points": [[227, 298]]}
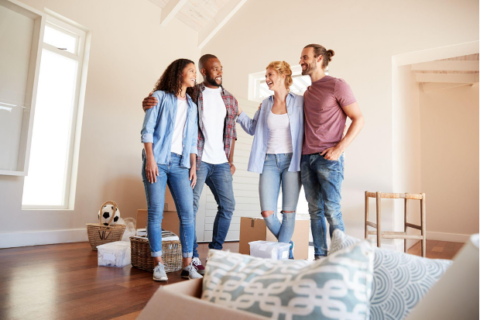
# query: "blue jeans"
{"points": [[219, 179], [275, 173], [178, 181], [322, 180]]}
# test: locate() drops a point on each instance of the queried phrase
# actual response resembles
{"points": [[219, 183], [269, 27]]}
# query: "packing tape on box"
{"points": [[253, 221]]}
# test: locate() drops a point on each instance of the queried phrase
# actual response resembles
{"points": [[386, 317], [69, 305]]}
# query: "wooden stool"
{"points": [[397, 235]]}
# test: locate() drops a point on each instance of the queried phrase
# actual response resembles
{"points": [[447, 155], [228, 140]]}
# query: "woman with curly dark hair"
{"points": [[169, 134]]}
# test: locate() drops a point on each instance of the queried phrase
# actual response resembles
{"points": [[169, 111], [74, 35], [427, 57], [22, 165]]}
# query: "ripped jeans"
{"points": [[275, 174]]}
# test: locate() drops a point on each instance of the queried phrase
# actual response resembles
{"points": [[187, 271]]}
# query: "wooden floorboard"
{"points": [[63, 281]]}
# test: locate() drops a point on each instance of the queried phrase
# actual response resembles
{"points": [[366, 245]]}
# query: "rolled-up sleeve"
{"points": [[150, 120], [248, 124]]}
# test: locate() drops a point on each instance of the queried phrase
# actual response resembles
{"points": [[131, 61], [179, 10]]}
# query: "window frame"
{"points": [[81, 54], [254, 80]]}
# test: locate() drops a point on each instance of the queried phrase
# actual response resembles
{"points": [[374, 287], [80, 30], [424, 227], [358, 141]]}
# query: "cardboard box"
{"points": [[253, 229], [181, 301], [169, 203], [170, 220]]}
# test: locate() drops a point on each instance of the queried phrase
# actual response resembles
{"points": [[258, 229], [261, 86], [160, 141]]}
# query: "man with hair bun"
{"points": [[327, 104], [217, 112]]}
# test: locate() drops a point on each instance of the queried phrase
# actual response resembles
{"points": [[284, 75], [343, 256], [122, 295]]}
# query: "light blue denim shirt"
{"points": [[259, 128], [158, 128]]}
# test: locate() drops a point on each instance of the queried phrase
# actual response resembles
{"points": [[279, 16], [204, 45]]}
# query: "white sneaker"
{"points": [[198, 265], [159, 273], [189, 272]]}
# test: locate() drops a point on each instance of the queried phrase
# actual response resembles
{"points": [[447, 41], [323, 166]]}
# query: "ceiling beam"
{"points": [[220, 19], [431, 87], [170, 10], [450, 65], [447, 78]]}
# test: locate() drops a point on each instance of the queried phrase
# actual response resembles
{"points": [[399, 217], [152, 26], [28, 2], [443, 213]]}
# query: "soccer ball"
{"points": [[106, 213]]}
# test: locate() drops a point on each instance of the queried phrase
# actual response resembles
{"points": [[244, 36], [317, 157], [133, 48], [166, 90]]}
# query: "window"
{"points": [[53, 149], [258, 89]]}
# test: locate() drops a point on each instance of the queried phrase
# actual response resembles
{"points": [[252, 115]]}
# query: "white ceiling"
{"points": [[204, 16]]}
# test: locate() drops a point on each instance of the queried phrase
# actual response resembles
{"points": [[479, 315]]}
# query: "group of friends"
{"points": [[189, 134]]}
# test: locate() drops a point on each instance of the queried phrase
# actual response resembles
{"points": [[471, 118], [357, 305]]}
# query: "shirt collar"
{"points": [[201, 86], [290, 94]]}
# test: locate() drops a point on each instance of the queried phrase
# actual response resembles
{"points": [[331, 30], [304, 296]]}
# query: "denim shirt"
{"points": [[258, 127], [158, 127]]}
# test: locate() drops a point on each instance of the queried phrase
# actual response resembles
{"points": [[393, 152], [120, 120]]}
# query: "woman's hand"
{"points": [[193, 177], [260, 106], [151, 170]]}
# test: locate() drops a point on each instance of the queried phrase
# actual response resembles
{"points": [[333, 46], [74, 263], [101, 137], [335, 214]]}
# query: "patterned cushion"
{"points": [[337, 287], [399, 280]]}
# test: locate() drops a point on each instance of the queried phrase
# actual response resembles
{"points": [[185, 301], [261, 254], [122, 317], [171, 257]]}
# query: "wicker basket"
{"points": [[142, 258], [100, 234]]}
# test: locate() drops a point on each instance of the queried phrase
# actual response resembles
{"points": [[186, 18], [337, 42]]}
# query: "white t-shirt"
{"points": [[180, 120], [280, 137], [213, 118]]}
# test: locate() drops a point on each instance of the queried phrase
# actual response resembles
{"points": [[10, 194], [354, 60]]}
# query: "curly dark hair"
{"points": [[172, 79]]}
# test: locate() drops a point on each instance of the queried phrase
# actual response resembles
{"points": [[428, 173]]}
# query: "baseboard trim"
{"points": [[36, 238], [450, 237]]}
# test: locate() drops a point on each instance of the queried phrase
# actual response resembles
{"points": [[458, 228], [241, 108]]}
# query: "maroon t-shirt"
{"points": [[324, 116]]}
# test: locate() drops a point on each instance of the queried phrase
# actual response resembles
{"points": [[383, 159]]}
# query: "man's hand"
{"points": [[332, 153], [232, 168], [149, 102], [193, 177], [239, 110]]}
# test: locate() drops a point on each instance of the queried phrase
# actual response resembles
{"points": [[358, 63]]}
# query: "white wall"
{"points": [[449, 120], [129, 51], [365, 35], [406, 148]]}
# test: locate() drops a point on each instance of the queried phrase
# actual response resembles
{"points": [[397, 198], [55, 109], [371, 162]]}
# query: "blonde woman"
{"points": [[277, 149]]}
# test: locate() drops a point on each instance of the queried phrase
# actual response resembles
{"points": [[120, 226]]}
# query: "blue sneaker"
{"points": [[292, 246]]}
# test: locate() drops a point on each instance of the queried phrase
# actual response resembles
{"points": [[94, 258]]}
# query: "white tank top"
{"points": [[180, 120], [280, 137]]}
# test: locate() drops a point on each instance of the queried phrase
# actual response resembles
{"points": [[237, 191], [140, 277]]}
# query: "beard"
{"points": [[212, 81], [310, 68]]}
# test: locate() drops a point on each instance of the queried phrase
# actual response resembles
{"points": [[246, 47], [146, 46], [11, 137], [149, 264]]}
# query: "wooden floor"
{"points": [[437, 249], [63, 281]]}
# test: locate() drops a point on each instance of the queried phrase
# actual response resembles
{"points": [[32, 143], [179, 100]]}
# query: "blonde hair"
{"points": [[283, 68]]}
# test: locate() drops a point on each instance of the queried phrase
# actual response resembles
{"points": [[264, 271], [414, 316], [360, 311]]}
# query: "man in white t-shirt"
{"points": [[217, 112]]}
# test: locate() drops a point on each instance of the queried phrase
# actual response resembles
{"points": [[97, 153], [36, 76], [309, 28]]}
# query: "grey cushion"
{"points": [[399, 280]]}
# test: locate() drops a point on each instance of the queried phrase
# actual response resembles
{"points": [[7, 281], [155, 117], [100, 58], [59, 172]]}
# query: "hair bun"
{"points": [[331, 53]]}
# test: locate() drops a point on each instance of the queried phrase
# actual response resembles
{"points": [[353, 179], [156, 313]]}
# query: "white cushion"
{"points": [[337, 287]]}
